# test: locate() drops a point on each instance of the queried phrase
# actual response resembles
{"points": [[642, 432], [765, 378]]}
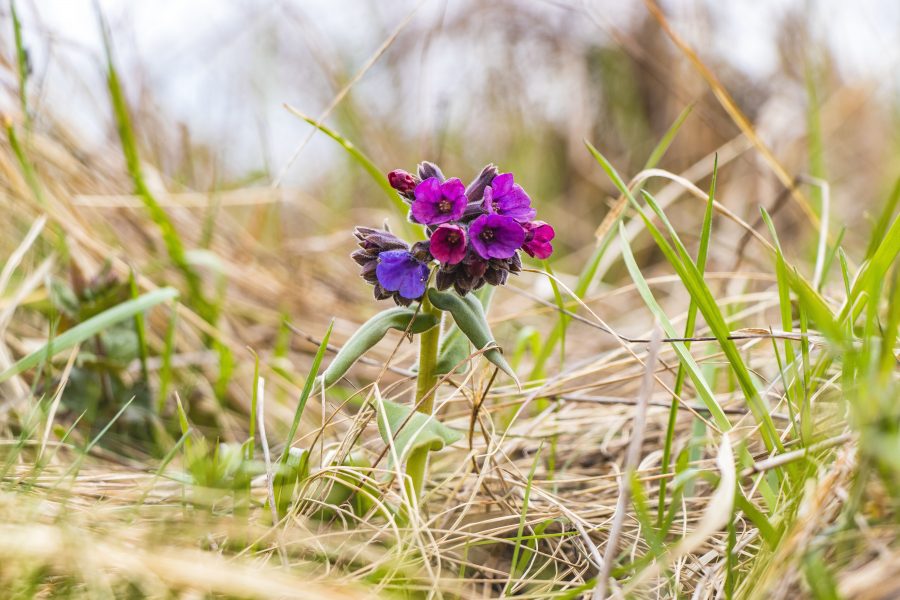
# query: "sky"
{"points": [[229, 65]]}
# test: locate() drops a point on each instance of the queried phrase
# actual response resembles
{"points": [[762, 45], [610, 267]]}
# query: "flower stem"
{"points": [[417, 463]]}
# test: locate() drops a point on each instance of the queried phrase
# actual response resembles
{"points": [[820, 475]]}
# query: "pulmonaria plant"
{"points": [[474, 235]]}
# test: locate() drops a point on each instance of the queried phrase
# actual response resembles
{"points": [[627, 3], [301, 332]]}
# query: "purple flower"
{"points": [[496, 236], [399, 271], [438, 202], [537, 239], [448, 243], [505, 197]]}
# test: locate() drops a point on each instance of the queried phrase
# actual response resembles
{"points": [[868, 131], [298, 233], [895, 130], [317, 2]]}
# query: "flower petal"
{"points": [[448, 244], [539, 235], [392, 268], [398, 271], [414, 283], [425, 212], [502, 184], [496, 236], [453, 188], [429, 190], [516, 204]]}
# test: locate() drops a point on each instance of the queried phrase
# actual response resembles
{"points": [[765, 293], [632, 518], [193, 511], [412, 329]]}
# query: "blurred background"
{"points": [[467, 82], [164, 149], [265, 203]]}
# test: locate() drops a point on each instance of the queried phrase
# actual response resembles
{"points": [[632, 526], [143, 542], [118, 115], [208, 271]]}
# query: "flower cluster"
{"points": [[474, 233]]}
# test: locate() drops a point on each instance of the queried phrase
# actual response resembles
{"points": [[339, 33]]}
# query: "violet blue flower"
{"points": [[448, 243], [438, 202], [399, 271], [496, 236], [505, 197], [537, 239]]}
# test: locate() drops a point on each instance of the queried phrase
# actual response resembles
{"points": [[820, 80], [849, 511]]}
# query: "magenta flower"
{"points": [[537, 239], [496, 236], [448, 243], [505, 197], [399, 271], [437, 202]]}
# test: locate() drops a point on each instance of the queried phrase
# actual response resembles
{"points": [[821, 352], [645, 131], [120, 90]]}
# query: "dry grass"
{"points": [[88, 512]]}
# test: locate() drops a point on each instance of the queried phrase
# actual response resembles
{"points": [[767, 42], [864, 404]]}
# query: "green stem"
{"points": [[417, 463]]}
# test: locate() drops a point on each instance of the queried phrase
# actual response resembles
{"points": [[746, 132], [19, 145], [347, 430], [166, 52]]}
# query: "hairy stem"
{"points": [[417, 463]]}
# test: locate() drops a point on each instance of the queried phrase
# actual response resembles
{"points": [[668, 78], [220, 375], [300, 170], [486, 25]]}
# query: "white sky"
{"points": [[175, 48]]}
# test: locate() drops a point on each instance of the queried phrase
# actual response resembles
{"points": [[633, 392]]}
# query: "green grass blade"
{"points": [[877, 267], [687, 360], [171, 239], [165, 371], [307, 390], [881, 225], [696, 286], [89, 329], [668, 137], [520, 532], [22, 67], [589, 271], [364, 161], [709, 308], [689, 327], [141, 331]]}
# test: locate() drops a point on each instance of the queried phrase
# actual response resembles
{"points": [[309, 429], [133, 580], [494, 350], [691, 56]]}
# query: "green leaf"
{"points": [[453, 353], [411, 432], [307, 390], [349, 482], [90, 328], [364, 161], [370, 333], [173, 242], [455, 346], [469, 316], [704, 391], [293, 468]]}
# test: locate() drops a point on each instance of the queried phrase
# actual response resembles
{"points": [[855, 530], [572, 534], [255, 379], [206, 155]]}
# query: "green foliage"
{"points": [[468, 314], [689, 326], [411, 430], [378, 175], [370, 333], [455, 346], [89, 328], [174, 245]]}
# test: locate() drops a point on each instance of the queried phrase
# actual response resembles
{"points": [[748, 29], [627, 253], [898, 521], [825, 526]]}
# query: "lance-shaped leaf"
{"points": [[411, 430], [89, 328], [455, 346], [371, 332], [470, 318]]}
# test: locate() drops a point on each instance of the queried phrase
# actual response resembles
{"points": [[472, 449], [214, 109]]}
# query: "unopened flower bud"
{"points": [[427, 169], [405, 183], [475, 191]]}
